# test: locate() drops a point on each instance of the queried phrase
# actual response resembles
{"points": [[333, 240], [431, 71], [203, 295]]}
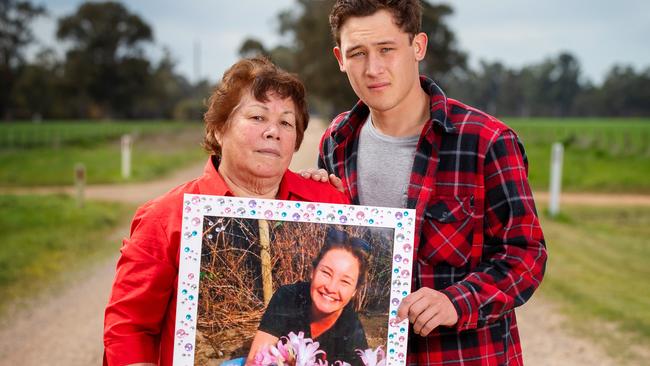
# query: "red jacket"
{"points": [[140, 316]]}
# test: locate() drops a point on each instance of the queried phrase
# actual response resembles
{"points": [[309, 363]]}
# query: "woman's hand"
{"points": [[261, 340]]}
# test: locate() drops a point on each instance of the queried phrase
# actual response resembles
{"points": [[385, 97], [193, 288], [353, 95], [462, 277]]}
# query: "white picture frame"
{"points": [[201, 210]]}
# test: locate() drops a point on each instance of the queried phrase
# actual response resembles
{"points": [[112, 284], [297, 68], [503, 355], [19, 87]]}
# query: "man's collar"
{"points": [[359, 113], [438, 104]]}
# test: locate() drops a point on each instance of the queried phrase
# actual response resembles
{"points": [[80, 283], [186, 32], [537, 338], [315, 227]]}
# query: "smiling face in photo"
{"points": [[334, 281], [260, 137]]}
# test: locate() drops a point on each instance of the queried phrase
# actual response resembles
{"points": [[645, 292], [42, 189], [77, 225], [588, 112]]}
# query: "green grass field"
{"points": [[46, 236], [599, 270], [601, 155], [55, 134], [164, 148]]}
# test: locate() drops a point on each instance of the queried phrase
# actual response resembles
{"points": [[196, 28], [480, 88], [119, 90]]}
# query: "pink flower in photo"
{"points": [[307, 352], [285, 353], [296, 350], [371, 357], [292, 350]]}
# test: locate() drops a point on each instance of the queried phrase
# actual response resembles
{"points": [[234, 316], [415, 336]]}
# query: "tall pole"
{"points": [[265, 255], [197, 60], [557, 155]]}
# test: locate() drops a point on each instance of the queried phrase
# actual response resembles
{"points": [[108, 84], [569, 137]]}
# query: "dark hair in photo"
{"points": [[407, 14], [359, 248]]}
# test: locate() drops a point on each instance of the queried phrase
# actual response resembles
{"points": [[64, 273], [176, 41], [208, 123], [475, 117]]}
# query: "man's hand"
{"points": [[427, 309], [320, 175]]}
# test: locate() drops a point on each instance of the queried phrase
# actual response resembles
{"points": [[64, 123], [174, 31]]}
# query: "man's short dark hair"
{"points": [[407, 14]]}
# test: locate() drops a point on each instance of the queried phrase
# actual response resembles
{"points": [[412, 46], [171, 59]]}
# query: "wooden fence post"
{"points": [[80, 182], [265, 255]]}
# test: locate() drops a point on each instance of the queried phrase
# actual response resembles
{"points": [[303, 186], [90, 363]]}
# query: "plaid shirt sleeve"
{"points": [[513, 259]]}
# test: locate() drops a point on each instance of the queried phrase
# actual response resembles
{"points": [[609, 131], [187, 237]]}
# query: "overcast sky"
{"points": [[517, 32]]}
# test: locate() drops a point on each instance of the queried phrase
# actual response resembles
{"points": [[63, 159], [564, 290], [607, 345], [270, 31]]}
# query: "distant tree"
{"points": [[165, 90], [308, 25], [106, 63], [626, 92], [565, 83], [490, 85], [549, 88], [252, 47], [552, 86], [193, 105], [15, 34], [36, 92], [511, 95], [443, 55], [281, 55], [591, 102]]}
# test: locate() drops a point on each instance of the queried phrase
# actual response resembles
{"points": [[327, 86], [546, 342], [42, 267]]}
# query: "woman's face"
{"points": [[334, 281], [260, 138]]}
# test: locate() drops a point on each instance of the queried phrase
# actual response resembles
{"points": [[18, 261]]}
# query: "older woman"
{"points": [[255, 122], [322, 307]]}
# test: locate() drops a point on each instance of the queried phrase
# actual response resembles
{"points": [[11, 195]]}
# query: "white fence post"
{"points": [[126, 156], [557, 155]]}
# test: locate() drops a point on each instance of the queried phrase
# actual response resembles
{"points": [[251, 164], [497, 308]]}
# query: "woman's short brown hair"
{"points": [[259, 76], [407, 14]]}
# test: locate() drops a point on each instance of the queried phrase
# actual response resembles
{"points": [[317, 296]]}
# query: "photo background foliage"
{"points": [[231, 301]]}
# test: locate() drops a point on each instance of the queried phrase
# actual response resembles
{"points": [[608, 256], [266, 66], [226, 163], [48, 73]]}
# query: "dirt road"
{"points": [[64, 325]]}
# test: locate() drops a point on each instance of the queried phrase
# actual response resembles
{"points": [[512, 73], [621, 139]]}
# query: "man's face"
{"points": [[380, 61]]}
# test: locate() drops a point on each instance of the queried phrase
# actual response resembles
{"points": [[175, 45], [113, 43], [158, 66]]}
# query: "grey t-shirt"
{"points": [[384, 166]]}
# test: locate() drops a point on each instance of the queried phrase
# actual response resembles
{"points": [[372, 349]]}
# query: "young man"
{"points": [[479, 247]]}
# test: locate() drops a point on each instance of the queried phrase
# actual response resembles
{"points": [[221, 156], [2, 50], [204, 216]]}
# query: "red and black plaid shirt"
{"points": [[478, 234]]}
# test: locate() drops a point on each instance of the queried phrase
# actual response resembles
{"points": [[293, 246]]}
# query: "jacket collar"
{"points": [[292, 186]]}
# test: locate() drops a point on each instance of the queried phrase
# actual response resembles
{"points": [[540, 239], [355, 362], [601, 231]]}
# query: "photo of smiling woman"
{"points": [[322, 308]]}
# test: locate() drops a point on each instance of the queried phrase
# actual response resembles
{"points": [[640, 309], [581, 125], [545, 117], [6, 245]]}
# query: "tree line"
{"points": [[554, 87], [105, 72]]}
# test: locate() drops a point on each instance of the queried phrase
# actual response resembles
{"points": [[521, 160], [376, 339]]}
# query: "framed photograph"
{"points": [[272, 282]]}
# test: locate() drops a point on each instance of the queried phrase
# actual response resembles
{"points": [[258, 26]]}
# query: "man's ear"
{"points": [[339, 58], [420, 42]]}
